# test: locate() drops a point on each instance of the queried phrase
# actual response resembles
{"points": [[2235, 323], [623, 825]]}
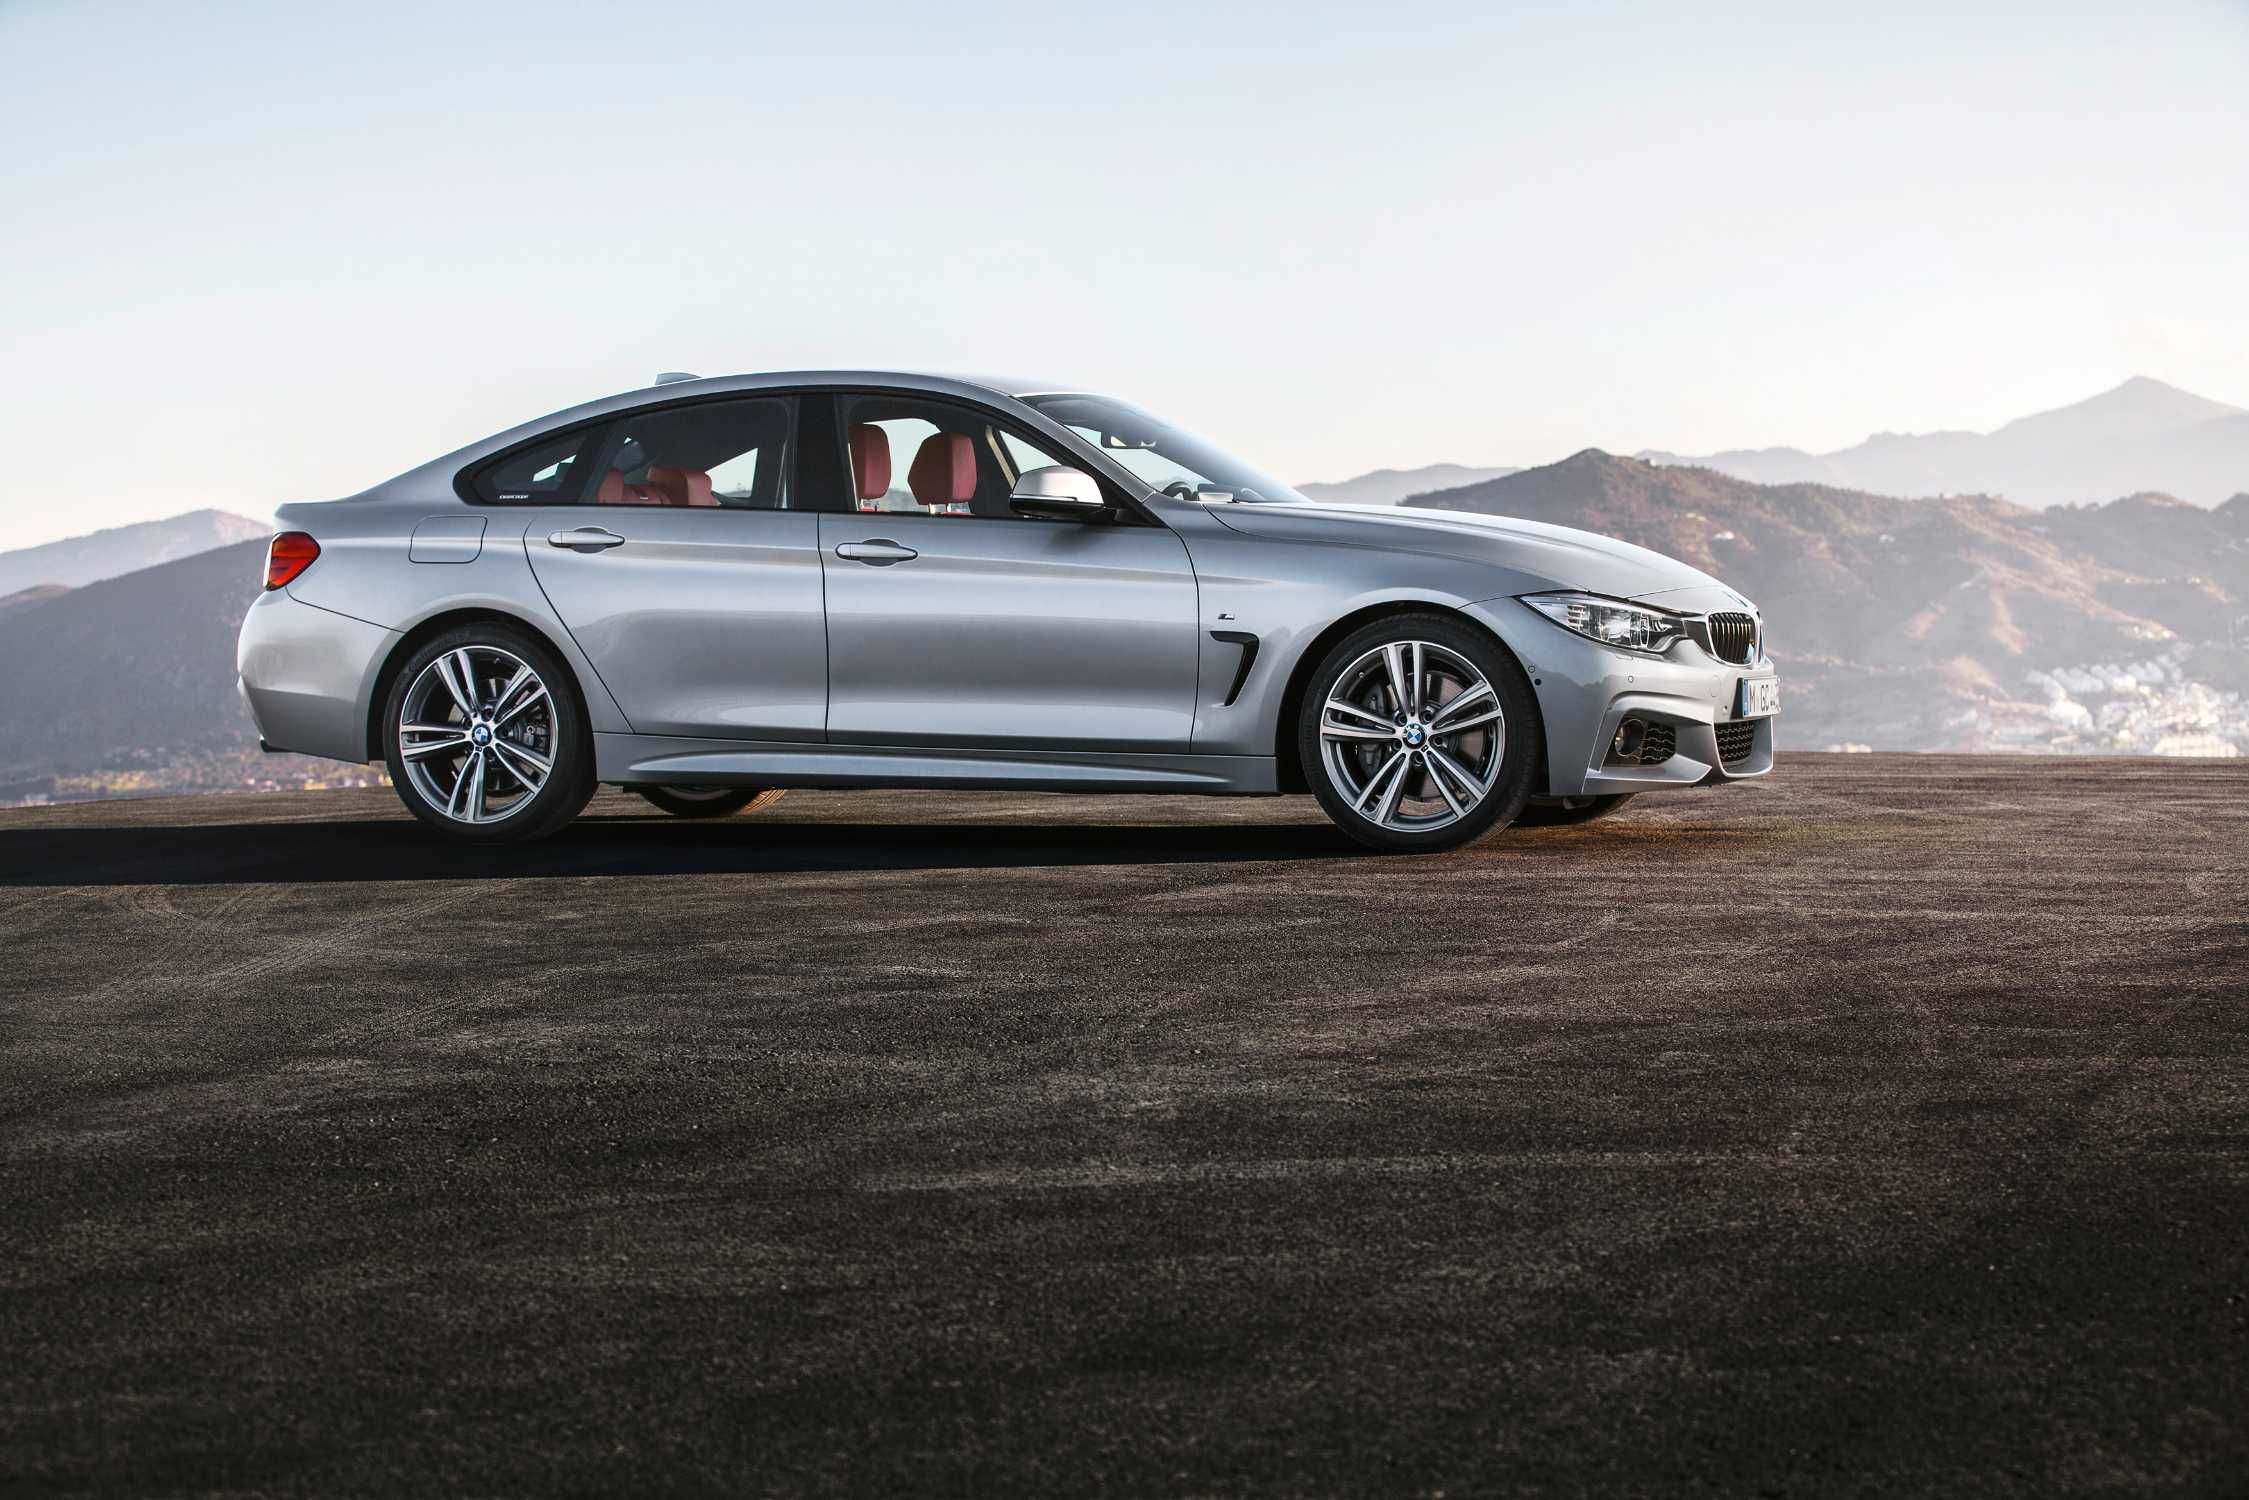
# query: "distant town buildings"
{"points": [[2149, 707]]}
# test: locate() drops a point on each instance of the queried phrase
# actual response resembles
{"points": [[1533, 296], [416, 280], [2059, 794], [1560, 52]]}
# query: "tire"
{"points": [[432, 756], [1570, 810], [1350, 729], [708, 801]]}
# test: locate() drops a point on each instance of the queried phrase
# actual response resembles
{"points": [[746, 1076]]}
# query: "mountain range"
{"points": [[135, 671], [121, 549], [1958, 623], [1966, 622], [1389, 486], [2142, 436]]}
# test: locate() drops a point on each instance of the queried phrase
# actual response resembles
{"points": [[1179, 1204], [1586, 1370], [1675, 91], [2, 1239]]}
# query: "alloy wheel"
{"points": [[1412, 736], [476, 734]]}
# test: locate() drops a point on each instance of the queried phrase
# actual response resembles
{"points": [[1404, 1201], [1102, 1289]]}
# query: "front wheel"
{"points": [[485, 738], [709, 801], [1419, 733]]}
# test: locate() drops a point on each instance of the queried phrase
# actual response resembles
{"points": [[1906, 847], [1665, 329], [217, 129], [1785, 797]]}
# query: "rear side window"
{"points": [[727, 454]]}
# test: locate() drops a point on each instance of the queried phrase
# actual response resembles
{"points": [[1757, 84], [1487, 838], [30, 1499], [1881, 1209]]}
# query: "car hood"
{"points": [[1560, 556]]}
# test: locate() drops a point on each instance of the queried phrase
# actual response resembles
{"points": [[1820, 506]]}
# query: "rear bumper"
{"points": [[306, 674], [1586, 691]]}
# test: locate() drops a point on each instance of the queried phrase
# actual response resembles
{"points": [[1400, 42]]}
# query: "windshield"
{"points": [[1170, 460]]}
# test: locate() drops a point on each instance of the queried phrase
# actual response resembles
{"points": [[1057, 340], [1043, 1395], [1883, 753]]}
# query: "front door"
{"points": [[953, 622], [688, 579]]}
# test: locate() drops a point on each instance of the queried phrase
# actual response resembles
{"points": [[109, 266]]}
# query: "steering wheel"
{"points": [[1181, 489]]}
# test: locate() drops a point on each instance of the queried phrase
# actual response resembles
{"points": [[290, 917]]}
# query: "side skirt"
{"points": [[625, 758]]}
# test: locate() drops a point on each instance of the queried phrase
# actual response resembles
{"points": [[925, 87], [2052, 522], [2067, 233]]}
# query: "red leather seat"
{"points": [[614, 491], [676, 486], [944, 471], [870, 462]]}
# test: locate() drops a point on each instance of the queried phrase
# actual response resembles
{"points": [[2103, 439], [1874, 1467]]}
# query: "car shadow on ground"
{"points": [[392, 849]]}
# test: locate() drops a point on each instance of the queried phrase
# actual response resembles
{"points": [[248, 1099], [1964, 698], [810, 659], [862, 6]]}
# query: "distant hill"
{"points": [[141, 664], [123, 549], [1389, 486], [25, 598], [2143, 435], [1925, 624]]}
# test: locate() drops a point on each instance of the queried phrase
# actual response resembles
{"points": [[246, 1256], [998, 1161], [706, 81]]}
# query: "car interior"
{"points": [[907, 455], [958, 462], [713, 453]]}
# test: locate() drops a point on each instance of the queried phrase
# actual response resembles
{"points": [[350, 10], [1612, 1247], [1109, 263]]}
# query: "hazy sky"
{"points": [[261, 252]]}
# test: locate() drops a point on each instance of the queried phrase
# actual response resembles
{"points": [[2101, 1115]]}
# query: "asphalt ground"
{"points": [[1882, 1128]]}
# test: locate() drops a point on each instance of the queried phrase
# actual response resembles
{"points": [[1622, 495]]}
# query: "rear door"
{"points": [[688, 575], [953, 622]]}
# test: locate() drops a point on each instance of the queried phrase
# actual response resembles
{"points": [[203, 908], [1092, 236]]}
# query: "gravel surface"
{"points": [[1880, 1128]]}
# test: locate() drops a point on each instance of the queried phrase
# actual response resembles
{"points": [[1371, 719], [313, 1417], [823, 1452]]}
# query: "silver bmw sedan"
{"points": [[714, 589]]}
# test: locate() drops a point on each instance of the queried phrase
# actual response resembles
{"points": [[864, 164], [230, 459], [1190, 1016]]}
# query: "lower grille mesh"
{"points": [[1736, 740], [1662, 740]]}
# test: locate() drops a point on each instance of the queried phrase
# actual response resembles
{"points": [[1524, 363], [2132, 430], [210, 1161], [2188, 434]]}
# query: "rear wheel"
{"points": [[1419, 733], [708, 801], [485, 738], [1569, 810]]}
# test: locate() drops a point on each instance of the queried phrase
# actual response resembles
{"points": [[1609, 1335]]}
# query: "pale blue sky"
{"points": [[264, 252]]}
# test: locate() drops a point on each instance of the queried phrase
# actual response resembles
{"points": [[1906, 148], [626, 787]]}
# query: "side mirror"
{"points": [[1057, 493]]}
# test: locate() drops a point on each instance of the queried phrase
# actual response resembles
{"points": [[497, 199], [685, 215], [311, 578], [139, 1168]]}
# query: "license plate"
{"points": [[1758, 698]]}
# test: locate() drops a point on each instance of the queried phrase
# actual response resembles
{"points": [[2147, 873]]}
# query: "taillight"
{"points": [[287, 555]]}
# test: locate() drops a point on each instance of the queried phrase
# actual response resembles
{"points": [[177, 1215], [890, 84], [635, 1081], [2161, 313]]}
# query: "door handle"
{"points": [[876, 551], [585, 539]]}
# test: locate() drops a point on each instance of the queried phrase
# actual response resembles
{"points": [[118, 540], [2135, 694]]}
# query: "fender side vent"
{"points": [[1248, 643]]}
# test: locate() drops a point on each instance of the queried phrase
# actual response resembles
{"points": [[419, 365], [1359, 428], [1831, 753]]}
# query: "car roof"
{"points": [[1003, 385]]}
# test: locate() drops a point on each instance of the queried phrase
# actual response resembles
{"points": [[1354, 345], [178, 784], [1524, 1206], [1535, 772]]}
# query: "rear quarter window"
{"points": [[548, 472]]}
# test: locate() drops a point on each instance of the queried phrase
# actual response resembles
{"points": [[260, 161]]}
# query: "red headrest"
{"points": [[680, 486], [944, 471], [870, 460], [614, 491]]}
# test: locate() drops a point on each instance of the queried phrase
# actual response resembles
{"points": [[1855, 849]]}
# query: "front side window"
{"points": [[729, 454], [1165, 457], [917, 456]]}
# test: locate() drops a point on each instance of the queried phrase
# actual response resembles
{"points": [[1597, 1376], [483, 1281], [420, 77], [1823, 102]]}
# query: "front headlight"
{"points": [[1628, 627]]}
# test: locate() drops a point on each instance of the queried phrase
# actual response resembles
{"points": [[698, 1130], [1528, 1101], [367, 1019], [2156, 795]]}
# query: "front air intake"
{"points": [[1642, 742], [1733, 637], [1736, 740]]}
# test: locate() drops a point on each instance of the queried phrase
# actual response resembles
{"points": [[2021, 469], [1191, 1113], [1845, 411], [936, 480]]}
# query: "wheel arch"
{"points": [[436, 625], [1289, 765]]}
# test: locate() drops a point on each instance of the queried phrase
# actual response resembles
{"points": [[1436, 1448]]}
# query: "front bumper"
{"points": [[1587, 690]]}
